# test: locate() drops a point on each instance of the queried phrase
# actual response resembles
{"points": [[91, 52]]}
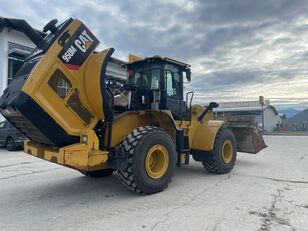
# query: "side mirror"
{"points": [[188, 74]]}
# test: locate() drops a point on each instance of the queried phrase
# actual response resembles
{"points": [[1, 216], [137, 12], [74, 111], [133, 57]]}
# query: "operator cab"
{"points": [[156, 83]]}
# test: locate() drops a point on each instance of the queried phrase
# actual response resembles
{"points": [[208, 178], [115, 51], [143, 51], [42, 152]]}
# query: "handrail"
{"points": [[192, 96]]}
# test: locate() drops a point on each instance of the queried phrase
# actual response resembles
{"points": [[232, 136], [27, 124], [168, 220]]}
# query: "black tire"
{"points": [[10, 144], [137, 145], [214, 162], [99, 173]]}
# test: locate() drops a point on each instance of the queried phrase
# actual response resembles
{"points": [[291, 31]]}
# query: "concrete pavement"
{"points": [[268, 191]]}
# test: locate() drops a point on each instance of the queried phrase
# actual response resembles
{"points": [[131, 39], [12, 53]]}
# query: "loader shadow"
{"points": [[74, 188], [194, 169], [245, 163], [86, 187], [77, 188]]}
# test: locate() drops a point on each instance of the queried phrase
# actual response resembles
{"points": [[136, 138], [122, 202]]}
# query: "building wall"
{"points": [[116, 70], [3, 61], [270, 119], [6, 37]]}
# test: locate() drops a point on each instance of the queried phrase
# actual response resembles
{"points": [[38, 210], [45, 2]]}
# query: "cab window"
{"points": [[173, 87], [148, 79]]}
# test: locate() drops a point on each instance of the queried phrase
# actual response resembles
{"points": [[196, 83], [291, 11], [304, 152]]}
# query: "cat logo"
{"points": [[78, 48], [84, 41]]}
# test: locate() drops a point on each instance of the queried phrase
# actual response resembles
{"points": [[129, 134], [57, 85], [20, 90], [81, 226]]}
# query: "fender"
{"points": [[205, 134]]}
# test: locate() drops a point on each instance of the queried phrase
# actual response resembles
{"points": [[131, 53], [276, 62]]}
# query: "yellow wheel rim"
{"points": [[227, 151], [157, 161]]}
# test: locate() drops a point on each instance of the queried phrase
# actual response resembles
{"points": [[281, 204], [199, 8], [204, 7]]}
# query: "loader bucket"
{"points": [[248, 137]]}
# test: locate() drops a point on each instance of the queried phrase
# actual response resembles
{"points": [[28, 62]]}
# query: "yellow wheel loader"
{"points": [[60, 101]]}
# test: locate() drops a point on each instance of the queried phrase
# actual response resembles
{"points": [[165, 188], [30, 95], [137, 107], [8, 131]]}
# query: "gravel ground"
{"points": [[268, 191]]}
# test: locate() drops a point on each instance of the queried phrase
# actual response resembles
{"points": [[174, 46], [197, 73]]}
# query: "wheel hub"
{"points": [[156, 161], [227, 151]]}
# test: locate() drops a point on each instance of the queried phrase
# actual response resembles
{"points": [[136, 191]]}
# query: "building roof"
{"points": [[117, 61], [239, 104], [156, 58], [237, 109], [3, 25]]}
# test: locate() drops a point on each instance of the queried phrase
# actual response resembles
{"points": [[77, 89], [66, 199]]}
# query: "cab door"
{"points": [[174, 95]]}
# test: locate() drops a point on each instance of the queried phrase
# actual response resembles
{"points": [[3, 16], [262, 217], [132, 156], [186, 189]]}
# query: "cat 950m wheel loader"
{"points": [[61, 102]]}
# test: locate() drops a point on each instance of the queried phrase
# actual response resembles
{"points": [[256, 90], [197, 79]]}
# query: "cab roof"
{"points": [[159, 59]]}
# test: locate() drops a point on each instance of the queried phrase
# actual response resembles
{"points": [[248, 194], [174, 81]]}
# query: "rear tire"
{"points": [[10, 144], [99, 173], [222, 159], [151, 160]]}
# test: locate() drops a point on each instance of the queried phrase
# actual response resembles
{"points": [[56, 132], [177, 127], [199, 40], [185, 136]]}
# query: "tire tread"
{"points": [[211, 164], [129, 145]]}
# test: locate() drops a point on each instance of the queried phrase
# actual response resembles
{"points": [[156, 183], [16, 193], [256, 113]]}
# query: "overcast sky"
{"points": [[238, 49]]}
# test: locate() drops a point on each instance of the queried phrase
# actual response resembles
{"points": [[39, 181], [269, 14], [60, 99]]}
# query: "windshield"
{"points": [[148, 79]]}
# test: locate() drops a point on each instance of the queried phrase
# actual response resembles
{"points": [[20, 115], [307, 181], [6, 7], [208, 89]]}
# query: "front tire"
{"points": [[10, 144], [222, 159], [151, 160]]}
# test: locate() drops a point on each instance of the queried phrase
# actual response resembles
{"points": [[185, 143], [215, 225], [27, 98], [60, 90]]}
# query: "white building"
{"points": [[116, 69], [14, 47], [251, 108]]}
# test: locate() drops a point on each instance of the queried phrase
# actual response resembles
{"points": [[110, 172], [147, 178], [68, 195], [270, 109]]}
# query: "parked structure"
{"points": [[298, 122]]}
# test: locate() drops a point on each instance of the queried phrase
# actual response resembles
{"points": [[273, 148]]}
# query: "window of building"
{"points": [[15, 61], [16, 57]]}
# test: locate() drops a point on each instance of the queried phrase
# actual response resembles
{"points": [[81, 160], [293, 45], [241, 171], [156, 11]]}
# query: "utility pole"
{"points": [[262, 102]]}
